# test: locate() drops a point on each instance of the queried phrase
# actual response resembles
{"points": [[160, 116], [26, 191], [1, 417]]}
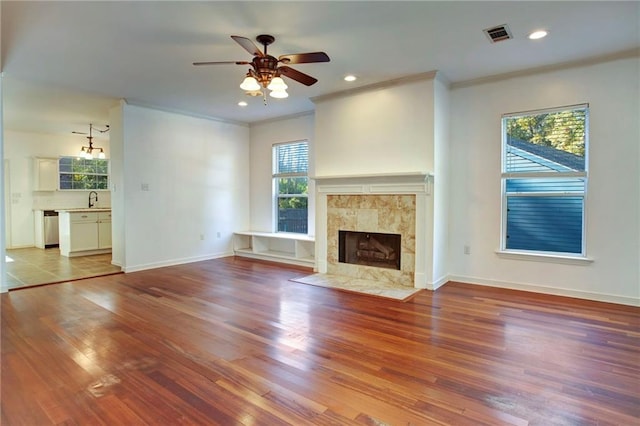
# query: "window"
{"points": [[83, 174], [544, 180], [290, 167]]}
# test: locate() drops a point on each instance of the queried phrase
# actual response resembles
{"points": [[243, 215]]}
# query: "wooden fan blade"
{"points": [[222, 62], [248, 45], [298, 76], [304, 58]]}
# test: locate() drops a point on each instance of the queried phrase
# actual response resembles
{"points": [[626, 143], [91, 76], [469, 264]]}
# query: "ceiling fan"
{"points": [[265, 72]]}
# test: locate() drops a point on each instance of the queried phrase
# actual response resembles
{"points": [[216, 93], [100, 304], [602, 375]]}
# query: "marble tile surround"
{"points": [[357, 285], [394, 214]]}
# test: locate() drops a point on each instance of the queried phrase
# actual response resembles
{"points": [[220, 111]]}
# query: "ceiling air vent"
{"points": [[499, 33]]}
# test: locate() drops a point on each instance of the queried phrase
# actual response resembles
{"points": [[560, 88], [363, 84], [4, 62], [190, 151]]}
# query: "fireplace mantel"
{"points": [[382, 183]]}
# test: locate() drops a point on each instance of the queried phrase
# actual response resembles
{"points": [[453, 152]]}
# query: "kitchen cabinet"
{"points": [[104, 230], [295, 249], [45, 174], [84, 232]]}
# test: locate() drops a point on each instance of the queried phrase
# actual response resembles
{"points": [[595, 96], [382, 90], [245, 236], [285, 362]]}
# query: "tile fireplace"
{"points": [[380, 224], [372, 215]]}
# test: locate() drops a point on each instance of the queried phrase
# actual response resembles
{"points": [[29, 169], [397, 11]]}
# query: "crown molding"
{"points": [[134, 102], [548, 68], [282, 118], [430, 75]]}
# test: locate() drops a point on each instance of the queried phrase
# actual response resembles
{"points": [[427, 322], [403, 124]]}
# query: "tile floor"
{"points": [[34, 266], [357, 285]]}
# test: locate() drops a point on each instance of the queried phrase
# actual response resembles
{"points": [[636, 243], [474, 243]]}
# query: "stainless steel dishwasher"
{"points": [[51, 236]]}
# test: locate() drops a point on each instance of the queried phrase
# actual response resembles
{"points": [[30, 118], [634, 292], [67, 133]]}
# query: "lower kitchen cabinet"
{"points": [[104, 232], [83, 232]]}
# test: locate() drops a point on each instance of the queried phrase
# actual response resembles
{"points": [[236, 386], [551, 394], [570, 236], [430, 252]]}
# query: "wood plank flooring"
{"points": [[233, 342]]}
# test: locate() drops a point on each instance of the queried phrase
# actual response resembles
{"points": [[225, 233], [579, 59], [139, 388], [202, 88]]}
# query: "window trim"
{"points": [[538, 255], [544, 256]]}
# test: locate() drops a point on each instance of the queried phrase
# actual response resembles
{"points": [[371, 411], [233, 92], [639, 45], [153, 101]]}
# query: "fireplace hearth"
{"points": [[369, 249]]}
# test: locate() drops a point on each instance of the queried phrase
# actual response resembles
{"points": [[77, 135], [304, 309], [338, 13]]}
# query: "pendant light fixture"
{"points": [[88, 152]]}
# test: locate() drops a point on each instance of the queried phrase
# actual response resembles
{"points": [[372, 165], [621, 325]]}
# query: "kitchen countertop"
{"points": [[84, 210]]}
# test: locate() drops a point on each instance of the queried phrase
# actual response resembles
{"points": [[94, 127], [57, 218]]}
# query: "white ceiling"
{"points": [[65, 63]]}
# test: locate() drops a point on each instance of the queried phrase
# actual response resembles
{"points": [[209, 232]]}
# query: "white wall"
{"points": [[116, 137], [263, 137], [441, 187], [3, 215], [196, 172], [20, 148], [612, 207], [387, 130]]}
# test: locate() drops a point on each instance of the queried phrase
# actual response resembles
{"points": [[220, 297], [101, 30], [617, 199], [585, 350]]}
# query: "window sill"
{"points": [[544, 257]]}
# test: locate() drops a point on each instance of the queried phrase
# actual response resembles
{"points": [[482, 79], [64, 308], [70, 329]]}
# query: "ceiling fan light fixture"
{"points": [[250, 84], [279, 94], [265, 72], [277, 83]]}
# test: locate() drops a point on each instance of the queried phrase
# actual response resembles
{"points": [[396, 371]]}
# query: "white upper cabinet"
{"points": [[45, 176]]}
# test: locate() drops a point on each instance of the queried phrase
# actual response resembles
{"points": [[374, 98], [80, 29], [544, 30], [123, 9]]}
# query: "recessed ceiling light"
{"points": [[242, 104], [350, 78], [537, 35]]}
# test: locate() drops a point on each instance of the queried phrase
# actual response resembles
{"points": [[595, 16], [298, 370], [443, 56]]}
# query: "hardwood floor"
{"points": [[234, 342]]}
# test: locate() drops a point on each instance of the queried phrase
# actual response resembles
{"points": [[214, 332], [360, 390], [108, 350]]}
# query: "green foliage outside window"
{"points": [[563, 130], [83, 174], [292, 186]]}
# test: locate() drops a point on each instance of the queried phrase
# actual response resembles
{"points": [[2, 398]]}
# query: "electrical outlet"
{"points": [[218, 234], [201, 237], [144, 186], [467, 249]]}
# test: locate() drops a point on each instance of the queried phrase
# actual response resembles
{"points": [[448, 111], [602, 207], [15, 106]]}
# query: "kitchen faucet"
{"points": [[96, 200]]}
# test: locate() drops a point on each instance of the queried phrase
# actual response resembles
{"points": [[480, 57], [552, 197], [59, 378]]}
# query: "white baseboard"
{"points": [[21, 247], [173, 262], [438, 283], [598, 297]]}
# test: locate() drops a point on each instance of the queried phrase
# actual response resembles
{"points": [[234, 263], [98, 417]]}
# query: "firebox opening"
{"points": [[369, 248]]}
